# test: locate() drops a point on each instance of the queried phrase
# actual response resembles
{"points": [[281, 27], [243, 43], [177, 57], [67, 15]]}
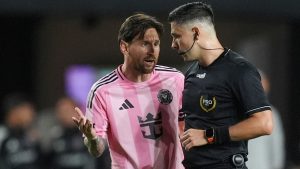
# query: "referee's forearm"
{"points": [[95, 146]]}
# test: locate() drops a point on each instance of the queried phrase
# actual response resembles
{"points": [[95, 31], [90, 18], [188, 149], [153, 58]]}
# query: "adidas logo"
{"points": [[126, 105]]}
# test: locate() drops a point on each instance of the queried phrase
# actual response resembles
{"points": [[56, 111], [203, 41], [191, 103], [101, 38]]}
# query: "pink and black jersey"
{"points": [[140, 120]]}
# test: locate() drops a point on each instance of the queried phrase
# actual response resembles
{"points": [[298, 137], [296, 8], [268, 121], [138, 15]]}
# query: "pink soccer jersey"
{"points": [[140, 120]]}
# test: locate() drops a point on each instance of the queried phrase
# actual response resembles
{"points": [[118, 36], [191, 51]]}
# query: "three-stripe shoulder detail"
{"points": [[111, 77], [165, 68]]}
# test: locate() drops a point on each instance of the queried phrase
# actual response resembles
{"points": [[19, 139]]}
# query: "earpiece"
{"points": [[195, 36]]}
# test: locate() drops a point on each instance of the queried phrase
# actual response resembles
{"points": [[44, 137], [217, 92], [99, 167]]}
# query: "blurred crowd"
{"points": [[43, 140]]}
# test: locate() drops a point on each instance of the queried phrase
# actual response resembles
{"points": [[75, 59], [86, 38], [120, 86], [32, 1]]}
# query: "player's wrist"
{"points": [[93, 141], [95, 145], [91, 138]]}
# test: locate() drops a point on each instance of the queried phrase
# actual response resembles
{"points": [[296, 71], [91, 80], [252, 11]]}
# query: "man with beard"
{"points": [[136, 106]]}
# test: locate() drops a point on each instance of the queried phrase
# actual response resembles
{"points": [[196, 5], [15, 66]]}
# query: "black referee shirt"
{"points": [[222, 94]]}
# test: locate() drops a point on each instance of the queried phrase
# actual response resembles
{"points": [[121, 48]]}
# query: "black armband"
{"points": [[222, 135]]}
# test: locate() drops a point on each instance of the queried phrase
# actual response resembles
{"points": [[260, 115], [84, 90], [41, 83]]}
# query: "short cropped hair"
{"points": [[137, 24], [192, 11]]}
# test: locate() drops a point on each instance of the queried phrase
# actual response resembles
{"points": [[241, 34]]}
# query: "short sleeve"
{"points": [[180, 87], [248, 90], [96, 112]]}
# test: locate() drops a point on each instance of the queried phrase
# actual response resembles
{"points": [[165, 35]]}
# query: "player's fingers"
{"points": [[86, 126], [81, 121], [81, 124], [79, 112], [76, 121], [89, 126]]}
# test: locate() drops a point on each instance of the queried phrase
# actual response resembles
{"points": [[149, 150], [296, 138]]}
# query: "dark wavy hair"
{"points": [[137, 24]]}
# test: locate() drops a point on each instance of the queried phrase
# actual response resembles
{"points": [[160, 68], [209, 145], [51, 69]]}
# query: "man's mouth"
{"points": [[149, 60]]}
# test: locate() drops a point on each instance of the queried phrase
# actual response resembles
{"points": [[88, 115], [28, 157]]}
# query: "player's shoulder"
{"points": [[101, 85], [107, 80], [166, 70]]}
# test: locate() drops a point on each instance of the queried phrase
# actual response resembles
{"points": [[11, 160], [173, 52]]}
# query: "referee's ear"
{"points": [[196, 33]]}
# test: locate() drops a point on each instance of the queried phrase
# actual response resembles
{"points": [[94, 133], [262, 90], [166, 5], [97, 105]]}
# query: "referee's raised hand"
{"points": [[83, 124]]}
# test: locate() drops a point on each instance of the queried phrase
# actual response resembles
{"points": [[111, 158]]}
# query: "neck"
{"points": [[209, 56], [209, 50]]}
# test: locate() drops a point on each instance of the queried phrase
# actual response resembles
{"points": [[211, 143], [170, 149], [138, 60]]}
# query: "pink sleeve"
{"points": [[97, 113], [180, 86]]}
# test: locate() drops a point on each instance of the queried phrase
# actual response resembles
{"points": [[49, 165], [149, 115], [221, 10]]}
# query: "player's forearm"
{"points": [[95, 146]]}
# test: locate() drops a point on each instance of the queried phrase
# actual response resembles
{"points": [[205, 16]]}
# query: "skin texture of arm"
{"points": [[94, 143], [95, 146], [258, 124]]}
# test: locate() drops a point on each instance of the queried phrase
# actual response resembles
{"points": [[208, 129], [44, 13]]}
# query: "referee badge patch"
{"points": [[208, 103], [165, 96]]}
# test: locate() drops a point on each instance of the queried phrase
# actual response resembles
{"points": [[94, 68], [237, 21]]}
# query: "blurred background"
{"points": [[51, 49]]}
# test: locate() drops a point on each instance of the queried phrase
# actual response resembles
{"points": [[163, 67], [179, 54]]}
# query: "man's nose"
{"points": [[151, 49]]}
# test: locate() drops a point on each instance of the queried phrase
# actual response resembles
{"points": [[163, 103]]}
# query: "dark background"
{"points": [[41, 38]]}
